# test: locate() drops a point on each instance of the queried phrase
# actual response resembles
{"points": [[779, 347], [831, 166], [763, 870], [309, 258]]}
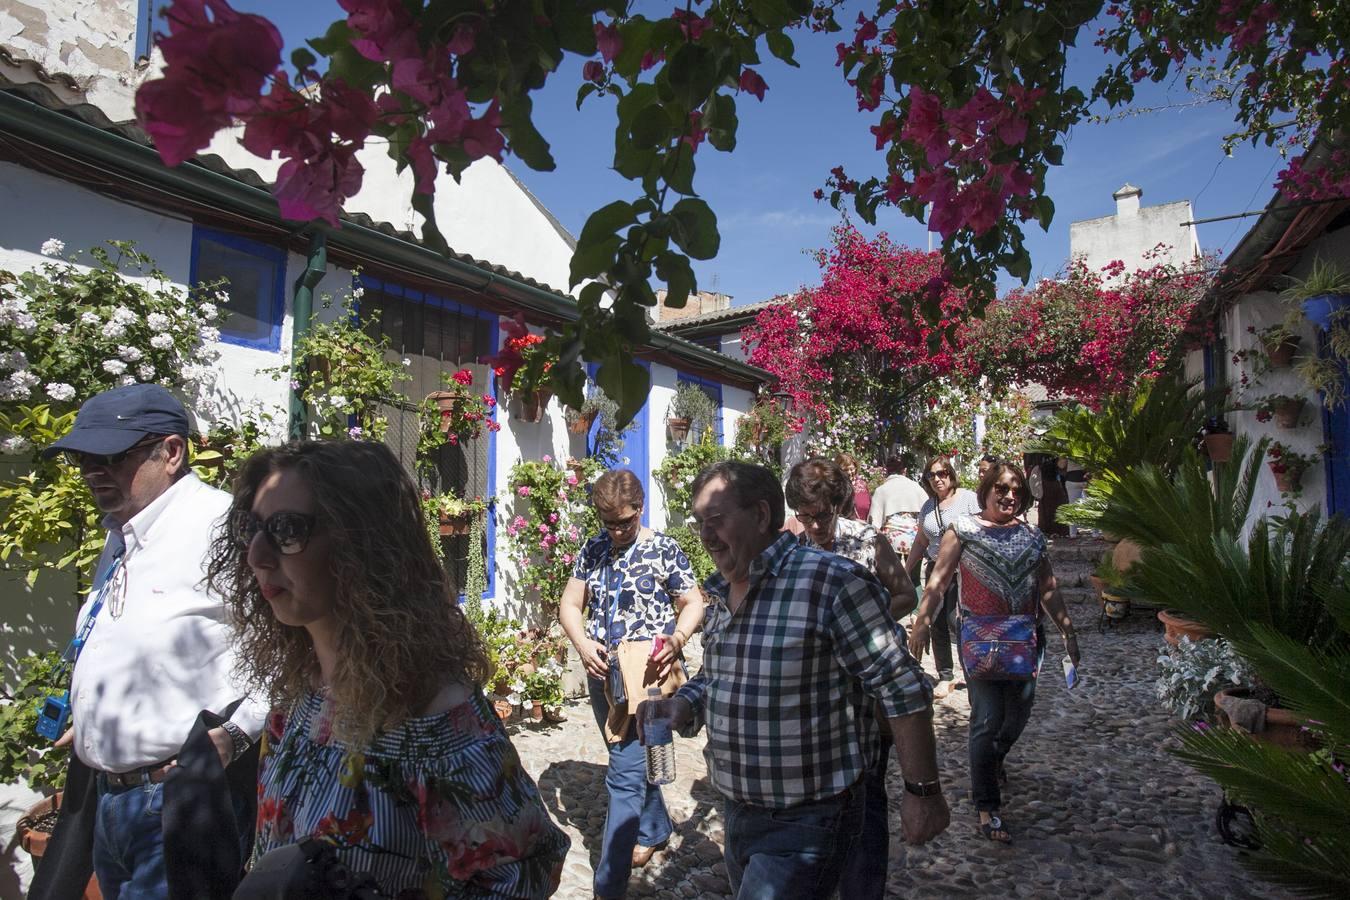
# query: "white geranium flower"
{"points": [[14, 445], [130, 354], [89, 317], [59, 327], [337, 401], [358, 292], [18, 386], [209, 311], [114, 330], [15, 359], [126, 380], [161, 341], [407, 363], [114, 366], [145, 372], [59, 390], [124, 316], [53, 247], [222, 297], [208, 334], [157, 321]]}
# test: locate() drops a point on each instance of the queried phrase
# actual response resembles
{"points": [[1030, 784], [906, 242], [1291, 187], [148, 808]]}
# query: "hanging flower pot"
{"points": [[1287, 480], [532, 405], [1281, 353], [455, 525], [1288, 410], [679, 428], [1219, 447], [445, 401], [582, 423], [1320, 309]]}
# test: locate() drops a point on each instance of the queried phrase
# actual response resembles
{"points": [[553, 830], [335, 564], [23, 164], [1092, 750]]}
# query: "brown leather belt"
{"points": [[136, 777]]}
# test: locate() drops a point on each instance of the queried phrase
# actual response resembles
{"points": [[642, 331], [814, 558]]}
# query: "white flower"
{"points": [[114, 330], [145, 372], [157, 321], [90, 317], [13, 445], [407, 363], [15, 359], [337, 401], [59, 327], [358, 292], [18, 386], [209, 310], [126, 380], [161, 341], [208, 333], [59, 390], [114, 366], [14, 310], [123, 316], [53, 247], [222, 297], [130, 354]]}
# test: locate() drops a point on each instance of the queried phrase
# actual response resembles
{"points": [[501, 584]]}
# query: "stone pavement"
{"points": [[1096, 805]]}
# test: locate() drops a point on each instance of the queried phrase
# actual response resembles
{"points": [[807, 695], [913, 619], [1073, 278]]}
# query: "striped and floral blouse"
{"points": [[439, 804]]}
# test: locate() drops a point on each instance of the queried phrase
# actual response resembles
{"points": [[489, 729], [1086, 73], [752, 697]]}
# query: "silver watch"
{"points": [[240, 740]]}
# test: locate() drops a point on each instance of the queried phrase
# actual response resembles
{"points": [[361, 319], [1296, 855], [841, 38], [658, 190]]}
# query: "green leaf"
{"points": [[721, 122], [574, 25], [695, 228], [674, 269], [679, 169], [1044, 210], [1054, 155], [771, 13], [585, 91], [592, 259], [607, 220], [780, 45], [526, 141], [691, 74], [431, 235], [302, 59], [625, 382], [651, 127]]}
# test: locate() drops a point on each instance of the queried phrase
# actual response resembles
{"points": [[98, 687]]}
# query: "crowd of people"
{"points": [[274, 684]]}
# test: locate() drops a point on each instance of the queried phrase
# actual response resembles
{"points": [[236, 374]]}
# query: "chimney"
{"points": [[1127, 200]]}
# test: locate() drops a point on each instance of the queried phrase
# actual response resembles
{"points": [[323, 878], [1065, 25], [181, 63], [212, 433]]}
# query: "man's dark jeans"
{"points": [[999, 710], [779, 854], [864, 875]]}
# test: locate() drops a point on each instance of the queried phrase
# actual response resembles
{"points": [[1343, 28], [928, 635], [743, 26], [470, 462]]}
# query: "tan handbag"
{"points": [[639, 674]]}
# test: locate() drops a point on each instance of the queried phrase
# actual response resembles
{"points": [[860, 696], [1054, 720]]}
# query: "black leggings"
{"points": [[940, 633]]}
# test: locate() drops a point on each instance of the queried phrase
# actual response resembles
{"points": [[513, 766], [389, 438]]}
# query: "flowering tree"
{"points": [[1089, 334], [855, 349], [972, 104], [74, 329]]}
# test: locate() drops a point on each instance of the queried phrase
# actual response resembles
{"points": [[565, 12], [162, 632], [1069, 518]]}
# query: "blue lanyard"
{"points": [[72, 652]]}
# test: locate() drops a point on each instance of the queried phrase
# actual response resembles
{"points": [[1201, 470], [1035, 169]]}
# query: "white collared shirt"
{"points": [[168, 653], [896, 495]]}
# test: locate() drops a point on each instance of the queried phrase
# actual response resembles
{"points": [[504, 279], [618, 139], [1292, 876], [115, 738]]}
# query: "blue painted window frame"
{"points": [[714, 388], [265, 253], [393, 289], [147, 15], [1336, 433]]}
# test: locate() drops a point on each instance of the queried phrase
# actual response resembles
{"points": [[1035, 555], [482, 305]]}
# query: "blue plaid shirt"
{"points": [[785, 680]]}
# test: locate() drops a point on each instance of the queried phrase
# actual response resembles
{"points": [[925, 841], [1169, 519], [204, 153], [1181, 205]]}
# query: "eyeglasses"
{"points": [[820, 518], [287, 532], [942, 474], [1004, 490], [621, 524], [79, 458]]}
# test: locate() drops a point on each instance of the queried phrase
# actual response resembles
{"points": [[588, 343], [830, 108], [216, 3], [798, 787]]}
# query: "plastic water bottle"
{"points": [[657, 738]]}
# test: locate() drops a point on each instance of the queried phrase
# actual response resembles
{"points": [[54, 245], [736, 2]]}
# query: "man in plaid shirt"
{"points": [[796, 640]]}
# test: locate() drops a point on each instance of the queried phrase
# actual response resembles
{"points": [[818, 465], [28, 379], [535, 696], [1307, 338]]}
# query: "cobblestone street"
{"points": [[1096, 805]]}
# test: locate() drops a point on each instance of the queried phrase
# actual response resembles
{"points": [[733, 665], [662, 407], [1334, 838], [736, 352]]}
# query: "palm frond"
{"points": [[1315, 865]]}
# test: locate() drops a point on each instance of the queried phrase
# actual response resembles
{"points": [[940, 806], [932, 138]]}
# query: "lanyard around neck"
{"points": [[73, 649]]}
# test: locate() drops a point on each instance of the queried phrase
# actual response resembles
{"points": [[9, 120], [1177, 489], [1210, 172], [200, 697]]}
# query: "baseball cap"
{"points": [[117, 419]]}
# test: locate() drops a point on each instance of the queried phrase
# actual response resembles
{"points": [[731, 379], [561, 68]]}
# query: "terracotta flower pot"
{"points": [[582, 424], [453, 525], [1283, 728], [1281, 354], [35, 840], [1287, 412], [1286, 480], [537, 710], [503, 708], [554, 715], [679, 428], [1219, 447], [532, 405], [1178, 626], [445, 401], [501, 686]]}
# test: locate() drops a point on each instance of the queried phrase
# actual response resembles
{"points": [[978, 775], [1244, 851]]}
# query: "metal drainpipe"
{"points": [[315, 267]]}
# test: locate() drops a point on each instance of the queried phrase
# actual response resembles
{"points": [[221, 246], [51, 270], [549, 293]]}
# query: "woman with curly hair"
{"points": [[380, 740]]}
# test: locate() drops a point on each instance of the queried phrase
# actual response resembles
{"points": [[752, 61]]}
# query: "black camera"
{"points": [[309, 870]]}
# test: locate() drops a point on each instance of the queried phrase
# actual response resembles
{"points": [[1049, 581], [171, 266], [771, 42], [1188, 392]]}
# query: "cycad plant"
{"points": [[1282, 599]]}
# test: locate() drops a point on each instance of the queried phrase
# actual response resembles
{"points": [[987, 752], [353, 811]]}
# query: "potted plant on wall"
{"points": [[1218, 439], [690, 408], [452, 514], [1288, 466], [1285, 409], [1280, 344], [1321, 294]]}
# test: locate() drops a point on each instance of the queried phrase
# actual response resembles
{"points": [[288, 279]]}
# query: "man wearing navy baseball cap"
{"points": [[153, 647]]}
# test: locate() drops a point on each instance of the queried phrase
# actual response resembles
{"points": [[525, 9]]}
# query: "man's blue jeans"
{"points": [[129, 843], [783, 854], [637, 814], [864, 876]]}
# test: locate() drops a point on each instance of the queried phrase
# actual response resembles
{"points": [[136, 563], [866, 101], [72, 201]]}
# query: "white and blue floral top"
{"points": [[631, 590]]}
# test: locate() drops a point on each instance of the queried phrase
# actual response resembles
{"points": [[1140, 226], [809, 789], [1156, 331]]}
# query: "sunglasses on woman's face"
{"points": [[620, 524], [1004, 490], [931, 476], [288, 533]]}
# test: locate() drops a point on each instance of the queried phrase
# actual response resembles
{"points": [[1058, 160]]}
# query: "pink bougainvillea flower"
{"points": [[608, 41], [752, 83], [483, 136], [178, 117], [315, 188], [593, 71], [387, 30]]}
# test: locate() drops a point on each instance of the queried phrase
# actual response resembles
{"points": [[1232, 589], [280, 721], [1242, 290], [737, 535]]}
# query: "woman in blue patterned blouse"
{"points": [[629, 584], [380, 740]]}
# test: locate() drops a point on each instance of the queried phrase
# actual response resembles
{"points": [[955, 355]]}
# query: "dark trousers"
{"points": [[998, 712], [784, 854], [864, 876], [941, 633]]}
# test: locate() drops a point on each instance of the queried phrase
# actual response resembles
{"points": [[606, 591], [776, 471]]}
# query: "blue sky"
{"points": [[808, 123]]}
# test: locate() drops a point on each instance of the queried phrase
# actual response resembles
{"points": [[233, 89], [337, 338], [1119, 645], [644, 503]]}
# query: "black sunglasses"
{"points": [[622, 524], [79, 458], [287, 532], [945, 473]]}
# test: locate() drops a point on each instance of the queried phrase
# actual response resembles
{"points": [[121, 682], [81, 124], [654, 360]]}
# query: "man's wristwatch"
{"points": [[923, 788], [240, 740]]}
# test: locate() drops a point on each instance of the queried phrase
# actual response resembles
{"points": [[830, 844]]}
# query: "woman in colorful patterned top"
{"points": [[380, 740], [1004, 571], [819, 490], [629, 584]]}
